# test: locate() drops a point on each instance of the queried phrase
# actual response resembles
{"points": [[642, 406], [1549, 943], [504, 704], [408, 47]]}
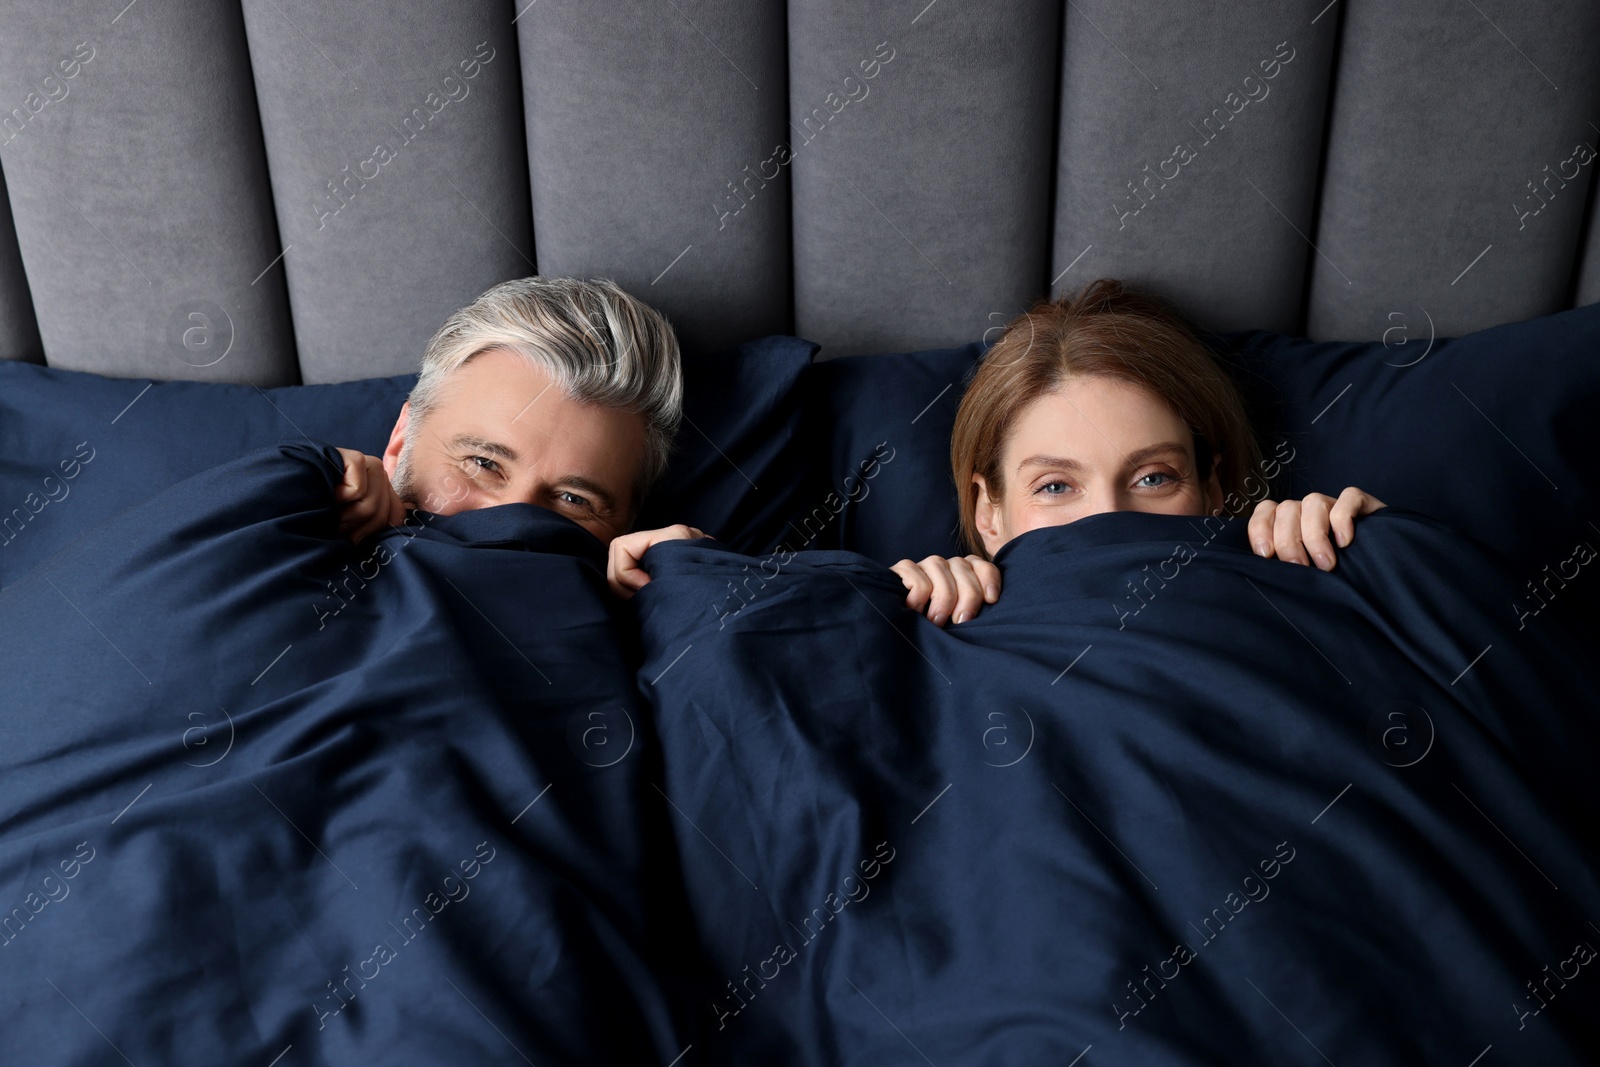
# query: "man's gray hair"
{"points": [[598, 345]]}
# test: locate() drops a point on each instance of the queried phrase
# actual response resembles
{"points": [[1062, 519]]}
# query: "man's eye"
{"points": [[484, 463], [572, 498]]}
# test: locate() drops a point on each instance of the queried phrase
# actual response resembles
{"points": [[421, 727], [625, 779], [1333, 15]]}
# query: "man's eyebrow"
{"points": [[594, 489], [483, 444]]}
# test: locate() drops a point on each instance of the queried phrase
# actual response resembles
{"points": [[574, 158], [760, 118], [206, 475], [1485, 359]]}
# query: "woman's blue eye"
{"points": [[1052, 488], [1144, 479]]}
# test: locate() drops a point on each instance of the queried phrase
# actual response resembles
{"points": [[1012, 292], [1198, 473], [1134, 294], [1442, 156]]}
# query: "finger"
{"points": [[1342, 517], [397, 510], [376, 508], [1352, 504], [918, 587], [1286, 534], [354, 482], [1314, 529], [357, 531], [988, 576], [391, 510], [969, 592], [1260, 528], [614, 565], [374, 526], [354, 515], [349, 516], [350, 458], [620, 568], [678, 532], [943, 601]]}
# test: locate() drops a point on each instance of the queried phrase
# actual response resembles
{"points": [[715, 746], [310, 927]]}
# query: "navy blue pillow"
{"points": [[76, 448], [736, 470], [880, 426], [1494, 433]]}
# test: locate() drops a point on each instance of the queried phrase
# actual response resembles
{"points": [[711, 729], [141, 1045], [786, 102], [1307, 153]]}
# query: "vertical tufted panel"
{"points": [[1445, 121], [19, 332], [139, 190], [159, 158], [394, 133], [921, 193], [1586, 284], [1189, 152], [648, 122]]}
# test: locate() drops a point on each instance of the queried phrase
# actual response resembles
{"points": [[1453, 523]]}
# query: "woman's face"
{"points": [[1093, 445]]}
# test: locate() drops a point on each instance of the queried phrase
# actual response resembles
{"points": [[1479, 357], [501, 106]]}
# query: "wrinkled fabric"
{"points": [[1166, 800], [262, 790]]}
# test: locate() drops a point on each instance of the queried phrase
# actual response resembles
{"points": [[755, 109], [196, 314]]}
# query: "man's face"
{"points": [[501, 433]]}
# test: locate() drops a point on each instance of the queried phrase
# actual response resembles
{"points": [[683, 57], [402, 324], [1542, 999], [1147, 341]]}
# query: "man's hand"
{"points": [[367, 502], [1294, 528], [623, 572], [940, 586]]}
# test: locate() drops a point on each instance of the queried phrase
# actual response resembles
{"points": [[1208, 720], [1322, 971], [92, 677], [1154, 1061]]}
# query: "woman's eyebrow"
{"points": [[1051, 461], [1152, 451], [1134, 458]]}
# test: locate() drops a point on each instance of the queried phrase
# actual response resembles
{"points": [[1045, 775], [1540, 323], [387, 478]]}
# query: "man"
{"points": [[556, 392]]}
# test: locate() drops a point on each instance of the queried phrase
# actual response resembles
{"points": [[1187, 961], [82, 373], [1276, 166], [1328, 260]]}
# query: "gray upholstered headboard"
{"points": [[275, 191]]}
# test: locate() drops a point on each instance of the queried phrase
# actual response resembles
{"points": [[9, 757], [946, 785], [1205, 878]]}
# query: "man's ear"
{"points": [[987, 518], [397, 439]]}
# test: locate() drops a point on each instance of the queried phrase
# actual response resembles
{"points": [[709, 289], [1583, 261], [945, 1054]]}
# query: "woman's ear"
{"points": [[987, 518], [397, 439]]}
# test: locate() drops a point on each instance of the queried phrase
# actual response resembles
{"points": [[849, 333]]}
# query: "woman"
{"points": [[1106, 401], [1100, 401]]}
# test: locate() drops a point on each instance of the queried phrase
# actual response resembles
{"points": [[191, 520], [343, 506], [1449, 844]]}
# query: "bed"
{"points": [[270, 798]]}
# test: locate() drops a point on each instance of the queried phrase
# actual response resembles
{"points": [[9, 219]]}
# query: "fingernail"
{"points": [[991, 594], [1261, 548], [1324, 561], [961, 617], [1342, 538], [938, 620]]}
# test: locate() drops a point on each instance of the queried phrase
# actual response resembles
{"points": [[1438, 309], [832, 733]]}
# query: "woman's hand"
{"points": [[367, 502], [1294, 528], [957, 586], [623, 572]]}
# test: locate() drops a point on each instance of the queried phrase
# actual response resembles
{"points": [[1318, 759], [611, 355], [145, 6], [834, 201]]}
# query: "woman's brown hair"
{"points": [[1104, 331]]}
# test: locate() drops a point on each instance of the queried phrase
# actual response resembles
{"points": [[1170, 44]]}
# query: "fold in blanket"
{"points": [[260, 790], [1166, 800]]}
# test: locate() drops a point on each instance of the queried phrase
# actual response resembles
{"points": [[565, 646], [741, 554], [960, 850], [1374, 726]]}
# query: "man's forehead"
{"points": [[499, 373]]}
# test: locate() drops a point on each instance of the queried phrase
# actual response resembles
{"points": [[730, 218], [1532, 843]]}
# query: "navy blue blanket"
{"points": [[1166, 800], [263, 795]]}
